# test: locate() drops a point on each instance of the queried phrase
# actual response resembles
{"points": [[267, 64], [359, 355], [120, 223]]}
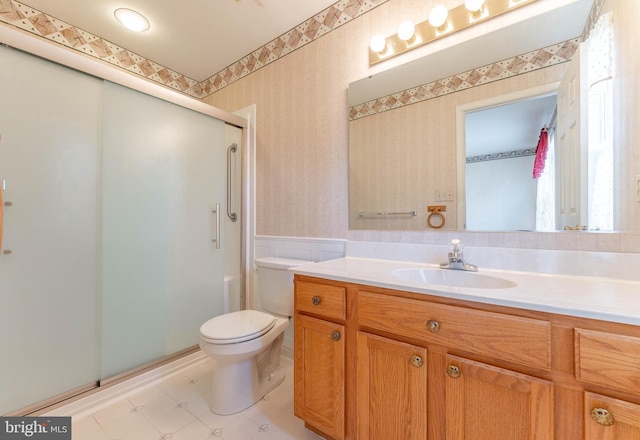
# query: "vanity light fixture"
{"points": [[131, 19], [441, 22], [476, 9], [406, 30], [378, 44], [473, 5], [438, 17]]}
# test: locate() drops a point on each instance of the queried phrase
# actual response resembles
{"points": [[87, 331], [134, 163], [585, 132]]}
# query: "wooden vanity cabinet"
{"points": [[484, 402], [391, 389], [607, 418], [319, 374], [319, 357], [609, 360], [480, 401], [415, 366]]}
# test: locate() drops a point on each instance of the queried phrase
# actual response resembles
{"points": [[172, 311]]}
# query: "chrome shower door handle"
{"points": [[232, 215], [217, 213]]}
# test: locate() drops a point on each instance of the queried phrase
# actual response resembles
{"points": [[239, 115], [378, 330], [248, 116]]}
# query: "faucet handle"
{"points": [[456, 245]]}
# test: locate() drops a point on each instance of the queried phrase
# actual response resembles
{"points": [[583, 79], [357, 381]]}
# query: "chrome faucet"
{"points": [[456, 258]]}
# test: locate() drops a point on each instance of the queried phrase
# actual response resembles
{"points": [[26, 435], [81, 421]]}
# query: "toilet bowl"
{"points": [[247, 344]]}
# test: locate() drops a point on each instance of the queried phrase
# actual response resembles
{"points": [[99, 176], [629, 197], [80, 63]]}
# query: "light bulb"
{"points": [[131, 19], [378, 43], [473, 5], [438, 16], [406, 30]]}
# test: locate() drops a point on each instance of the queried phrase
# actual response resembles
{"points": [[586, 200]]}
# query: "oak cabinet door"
{"points": [[610, 419], [319, 374], [484, 402], [391, 389]]}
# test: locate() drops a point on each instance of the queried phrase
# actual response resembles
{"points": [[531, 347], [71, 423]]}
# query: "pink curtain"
{"points": [[541, 153]]}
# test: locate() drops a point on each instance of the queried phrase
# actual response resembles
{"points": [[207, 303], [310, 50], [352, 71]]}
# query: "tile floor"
{"points": [[176, 409]]}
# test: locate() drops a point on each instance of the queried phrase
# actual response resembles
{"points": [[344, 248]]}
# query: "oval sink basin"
{"points": [[453, 278]]}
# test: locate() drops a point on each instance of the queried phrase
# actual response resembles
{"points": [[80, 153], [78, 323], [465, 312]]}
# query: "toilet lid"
{"points": [[237, 326]]}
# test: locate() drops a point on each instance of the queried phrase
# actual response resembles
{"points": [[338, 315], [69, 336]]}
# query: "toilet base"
{"points": [[240, 382], [236, 386]]}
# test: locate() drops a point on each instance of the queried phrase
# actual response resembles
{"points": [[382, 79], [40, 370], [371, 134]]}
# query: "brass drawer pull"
{"points": [[453, 371], [416, 361], [602, 416], [335, 335], [315, 300], [433, 326]]}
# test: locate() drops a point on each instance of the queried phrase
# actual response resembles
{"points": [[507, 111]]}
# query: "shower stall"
{"points": [[112, 226]]}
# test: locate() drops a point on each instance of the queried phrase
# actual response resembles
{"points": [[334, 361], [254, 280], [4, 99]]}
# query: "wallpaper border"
{"points": [[538, 59], [31, 20]]}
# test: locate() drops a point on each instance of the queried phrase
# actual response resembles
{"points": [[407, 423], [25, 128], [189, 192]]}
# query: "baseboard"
{"points": [[287, 352]]}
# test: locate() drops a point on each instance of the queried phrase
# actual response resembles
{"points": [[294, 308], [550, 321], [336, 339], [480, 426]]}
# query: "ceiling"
{"points": [[197, 38], [508, 127]]}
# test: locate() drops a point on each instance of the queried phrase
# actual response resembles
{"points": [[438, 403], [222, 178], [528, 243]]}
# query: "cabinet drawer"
{"points": [[320, 299], [511, 338], [608, 359], [608, 418]]}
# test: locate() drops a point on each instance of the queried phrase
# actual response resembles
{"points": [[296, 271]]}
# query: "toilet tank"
{"points": [[275, 284]]}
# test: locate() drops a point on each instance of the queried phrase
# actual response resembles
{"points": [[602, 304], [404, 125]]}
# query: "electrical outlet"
{"points": [[444, 196]]}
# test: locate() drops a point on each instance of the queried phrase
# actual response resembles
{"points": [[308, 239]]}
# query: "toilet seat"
{"points": [[235, 327]]}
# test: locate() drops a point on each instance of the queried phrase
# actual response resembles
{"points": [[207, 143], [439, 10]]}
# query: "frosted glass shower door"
{"points": [[163, 173], [49, 152]]}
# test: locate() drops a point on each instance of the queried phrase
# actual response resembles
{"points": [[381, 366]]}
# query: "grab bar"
{"points": [[384, 214], [2, 205], [4, 186], [232, 215]]}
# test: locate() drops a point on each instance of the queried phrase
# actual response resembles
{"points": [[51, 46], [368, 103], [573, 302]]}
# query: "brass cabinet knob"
{"points": [[602, 416], [453, 371], [335, 335], [315, 300], [416, 361], [433, 325]]}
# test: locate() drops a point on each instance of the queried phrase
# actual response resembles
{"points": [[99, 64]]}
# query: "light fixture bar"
{"points": [[459, 18]]}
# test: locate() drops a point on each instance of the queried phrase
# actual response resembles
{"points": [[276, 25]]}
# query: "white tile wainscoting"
{"points": [[616, 242], [296, 248]]}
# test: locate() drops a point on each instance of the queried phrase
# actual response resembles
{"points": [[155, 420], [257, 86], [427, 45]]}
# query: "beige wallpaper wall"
{"points": [[302, 138], [302, 123]]}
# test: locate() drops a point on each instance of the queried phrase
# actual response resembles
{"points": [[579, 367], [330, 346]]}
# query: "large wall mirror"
{"points": [[469, 153]]}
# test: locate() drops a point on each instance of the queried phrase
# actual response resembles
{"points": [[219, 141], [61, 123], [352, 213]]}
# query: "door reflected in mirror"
{"points": [[501, 143], [544, 162]]}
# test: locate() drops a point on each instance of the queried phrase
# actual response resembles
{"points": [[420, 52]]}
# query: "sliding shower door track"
{"points": [[81, 392]]}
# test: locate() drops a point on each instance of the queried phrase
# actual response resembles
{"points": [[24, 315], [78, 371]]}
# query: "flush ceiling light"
{"points": [[406, 30], [131, 19], [438, 16]]}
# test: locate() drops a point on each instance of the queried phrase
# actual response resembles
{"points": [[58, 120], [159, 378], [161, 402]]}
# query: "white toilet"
{"points": [[246, 345]]}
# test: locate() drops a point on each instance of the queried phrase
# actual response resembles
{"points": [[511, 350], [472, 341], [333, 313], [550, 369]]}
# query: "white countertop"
{"points": [[600, 298]]}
